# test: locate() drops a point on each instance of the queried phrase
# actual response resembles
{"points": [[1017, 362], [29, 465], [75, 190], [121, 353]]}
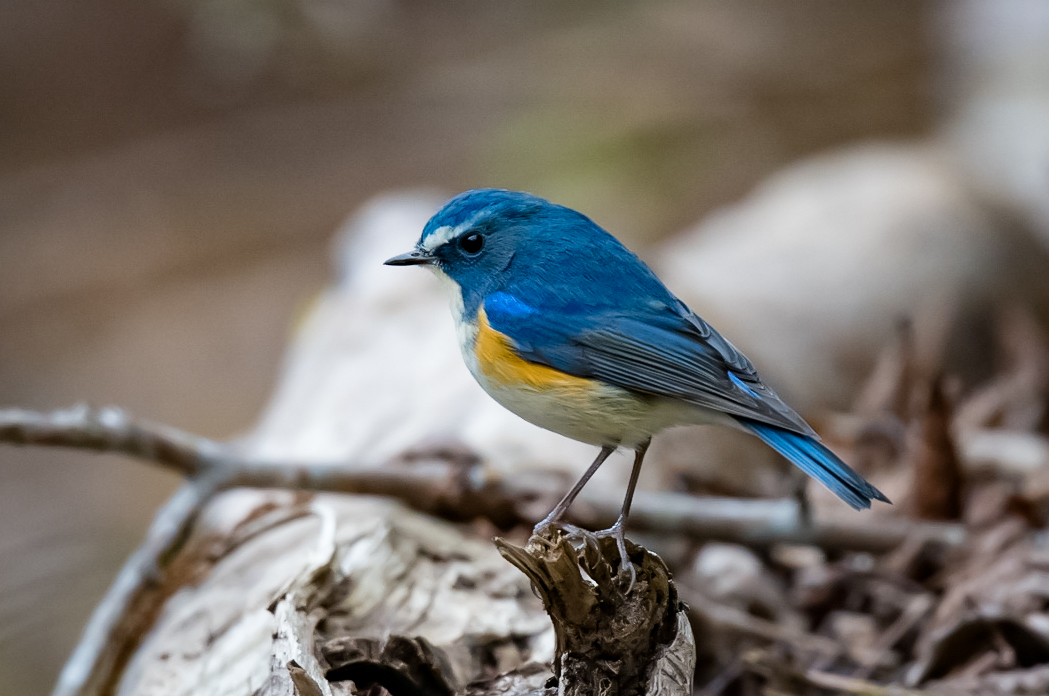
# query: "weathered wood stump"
{"points": [[611, 638]]}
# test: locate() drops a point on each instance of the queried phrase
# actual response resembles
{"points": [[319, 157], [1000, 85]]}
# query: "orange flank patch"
{"points": [[503, 367]]}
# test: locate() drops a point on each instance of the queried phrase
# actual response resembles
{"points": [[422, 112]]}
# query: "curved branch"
{"points": [[458, 490], [110, 429]]}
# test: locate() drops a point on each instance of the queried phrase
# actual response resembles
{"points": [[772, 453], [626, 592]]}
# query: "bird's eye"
{"points": [[471, 243]]}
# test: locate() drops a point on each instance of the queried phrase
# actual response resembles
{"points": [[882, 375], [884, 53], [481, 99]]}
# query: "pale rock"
{"points": [[810, 273], [996, 79], [733, 575], [726, 570]]}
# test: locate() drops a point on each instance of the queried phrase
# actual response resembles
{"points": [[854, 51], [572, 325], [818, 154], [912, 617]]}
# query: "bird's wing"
{"points": [[667, 351]]}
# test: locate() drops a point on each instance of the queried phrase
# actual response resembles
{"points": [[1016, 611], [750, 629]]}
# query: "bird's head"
{"points": [[481, 238], [488, 240]]}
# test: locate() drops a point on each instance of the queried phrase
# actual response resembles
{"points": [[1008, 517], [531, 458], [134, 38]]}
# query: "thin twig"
{"points": [[768, 522], [739, 621], [110, 429], [917, 609], [857, 687]]}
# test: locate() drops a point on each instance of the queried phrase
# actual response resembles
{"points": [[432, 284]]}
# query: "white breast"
{"points": [[466, 331]]}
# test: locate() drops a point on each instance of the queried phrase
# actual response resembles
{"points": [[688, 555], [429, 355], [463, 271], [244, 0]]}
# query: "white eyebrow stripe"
{"points": [[443, 235]]}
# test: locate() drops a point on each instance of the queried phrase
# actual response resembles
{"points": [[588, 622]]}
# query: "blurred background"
{"points": [[172, 173]]}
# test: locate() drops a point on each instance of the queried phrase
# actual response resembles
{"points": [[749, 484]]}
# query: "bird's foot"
{"points": [[627, 574], [545, 525], [544, 532]]}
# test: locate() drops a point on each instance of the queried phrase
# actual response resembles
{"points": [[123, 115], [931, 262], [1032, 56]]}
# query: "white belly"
{"points": [[605, 415]]}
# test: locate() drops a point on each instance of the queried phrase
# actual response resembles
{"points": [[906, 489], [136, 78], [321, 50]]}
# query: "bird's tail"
{"points": [[812, 457]]}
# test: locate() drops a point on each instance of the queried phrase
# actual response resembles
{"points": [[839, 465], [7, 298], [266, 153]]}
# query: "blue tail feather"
{"points": [[812, 457]]}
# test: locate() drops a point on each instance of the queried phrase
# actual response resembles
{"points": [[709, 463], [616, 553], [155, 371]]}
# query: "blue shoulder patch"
{"points": [[503, 303]]}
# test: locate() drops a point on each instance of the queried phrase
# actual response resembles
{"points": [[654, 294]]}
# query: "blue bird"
{"points": [[564, 326]]}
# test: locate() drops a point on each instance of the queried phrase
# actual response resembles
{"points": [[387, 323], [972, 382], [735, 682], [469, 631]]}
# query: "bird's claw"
{"points": [[543, 528], [551, 520], [627, 574]]}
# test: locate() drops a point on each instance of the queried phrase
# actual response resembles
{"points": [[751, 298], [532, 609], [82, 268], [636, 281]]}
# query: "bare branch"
{"points": [[767, 522], [110, 429], [461, 492]]}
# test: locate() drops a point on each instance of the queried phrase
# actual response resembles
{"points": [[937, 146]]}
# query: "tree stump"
{"points": [[610, 639]]}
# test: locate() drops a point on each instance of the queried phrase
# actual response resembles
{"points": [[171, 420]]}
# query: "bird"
{"points": [[563, 325]]}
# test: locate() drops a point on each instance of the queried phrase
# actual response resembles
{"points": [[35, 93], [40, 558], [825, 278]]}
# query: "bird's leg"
{"points": [[617, 530], [561, 509]]}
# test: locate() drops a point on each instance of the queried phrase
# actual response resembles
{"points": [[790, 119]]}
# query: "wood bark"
{"points": [[612, 638]]}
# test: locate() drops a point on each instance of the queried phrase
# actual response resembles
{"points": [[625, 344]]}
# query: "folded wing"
{"points": [[668, 352]]}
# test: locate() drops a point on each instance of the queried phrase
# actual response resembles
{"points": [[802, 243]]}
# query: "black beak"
{"points": [[415, 257]]}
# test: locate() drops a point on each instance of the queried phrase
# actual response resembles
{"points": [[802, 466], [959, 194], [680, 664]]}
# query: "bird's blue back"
{"points": [[561, 260]]}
